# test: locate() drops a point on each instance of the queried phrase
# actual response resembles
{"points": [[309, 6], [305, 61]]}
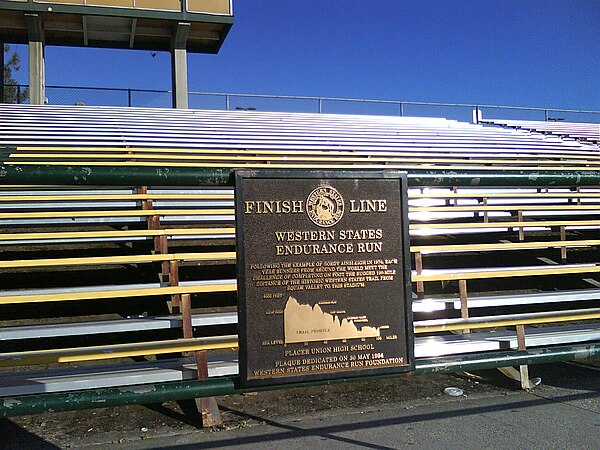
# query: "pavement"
{"points": [[562, 413], [549, 417]]}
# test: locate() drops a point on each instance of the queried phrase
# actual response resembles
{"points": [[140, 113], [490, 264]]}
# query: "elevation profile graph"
{"points": [[305, 323]]}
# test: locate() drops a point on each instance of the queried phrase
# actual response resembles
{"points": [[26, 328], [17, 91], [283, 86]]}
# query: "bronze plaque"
{"points": [[323, 275]]}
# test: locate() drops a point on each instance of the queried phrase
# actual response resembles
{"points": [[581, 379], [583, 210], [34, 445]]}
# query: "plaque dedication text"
{"points": [[323, 275]]}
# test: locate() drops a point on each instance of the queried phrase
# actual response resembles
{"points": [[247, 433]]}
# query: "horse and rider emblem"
{"points": [[325, 206]]}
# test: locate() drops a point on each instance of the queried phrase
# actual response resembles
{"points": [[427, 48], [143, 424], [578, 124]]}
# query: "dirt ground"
{"points": [[83, 429]]}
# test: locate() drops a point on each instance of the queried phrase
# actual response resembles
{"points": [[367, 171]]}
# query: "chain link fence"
{"points": [[93, 96]]}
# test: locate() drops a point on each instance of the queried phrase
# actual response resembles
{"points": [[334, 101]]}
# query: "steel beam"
{"points": [[2, 72], [37, 64], [179, 65]]}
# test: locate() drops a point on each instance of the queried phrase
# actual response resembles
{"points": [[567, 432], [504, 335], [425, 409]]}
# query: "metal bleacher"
{"points": [[97, 267]]}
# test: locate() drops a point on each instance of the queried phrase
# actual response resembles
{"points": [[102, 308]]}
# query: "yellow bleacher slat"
{"points": [[304, 166], [117, 213], [141, 292], [545, 207], [102, 352], [243, 151], [502, 246], [128, 259], [532, 195], [461, 324], [114, 234], [290, 157], [95, 197], [513, 272], [176, 196], [537, 223]]}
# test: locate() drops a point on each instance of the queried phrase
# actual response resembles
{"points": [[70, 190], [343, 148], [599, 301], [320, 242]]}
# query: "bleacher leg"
{"points": [[521, 375], [464, 307], [521, 229], [563, 249], [419, 269], [486, 217], [174, 281], [207, 406], [524, 369]]}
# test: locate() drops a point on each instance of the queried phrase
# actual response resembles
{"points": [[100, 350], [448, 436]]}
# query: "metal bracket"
{"points": [[35, 29], [180, 34]]}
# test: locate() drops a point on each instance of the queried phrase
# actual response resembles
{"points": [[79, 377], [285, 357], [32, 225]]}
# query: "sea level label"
{"points": [[323, 275]]}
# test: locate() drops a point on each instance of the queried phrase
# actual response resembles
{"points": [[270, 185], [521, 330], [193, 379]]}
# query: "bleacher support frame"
{"points": [[41, 174]]}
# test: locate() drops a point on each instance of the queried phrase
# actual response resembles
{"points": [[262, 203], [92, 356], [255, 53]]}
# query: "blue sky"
{"points": [[534, 53]]}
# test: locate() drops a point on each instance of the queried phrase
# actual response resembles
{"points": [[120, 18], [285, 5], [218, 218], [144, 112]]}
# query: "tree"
{"points": [[12, 64]]}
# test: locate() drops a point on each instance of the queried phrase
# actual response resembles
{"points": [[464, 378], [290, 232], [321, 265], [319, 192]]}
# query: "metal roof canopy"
{"points": [[178, 26], [140, 24]]}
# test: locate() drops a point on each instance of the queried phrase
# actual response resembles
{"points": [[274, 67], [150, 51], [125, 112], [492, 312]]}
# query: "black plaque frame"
{"points": [[245, 328]]}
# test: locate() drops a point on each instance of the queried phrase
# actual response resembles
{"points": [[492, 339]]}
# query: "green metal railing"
{"points": [[105, 96], [156, 393], [223, 176]]}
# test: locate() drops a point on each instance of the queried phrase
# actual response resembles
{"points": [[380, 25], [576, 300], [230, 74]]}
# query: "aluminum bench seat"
{"points": [[538, 337], [112, 375], [52, 193], [523, 152], [427, 229], [440, 304], [453, 344], [116, 351], [443, 345], [446, 148], [114, 235], [501, 246], [236, 157], [143, 127], [126, 325], [118, 260], [113, 291], [503, 272], [588, 131]]}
